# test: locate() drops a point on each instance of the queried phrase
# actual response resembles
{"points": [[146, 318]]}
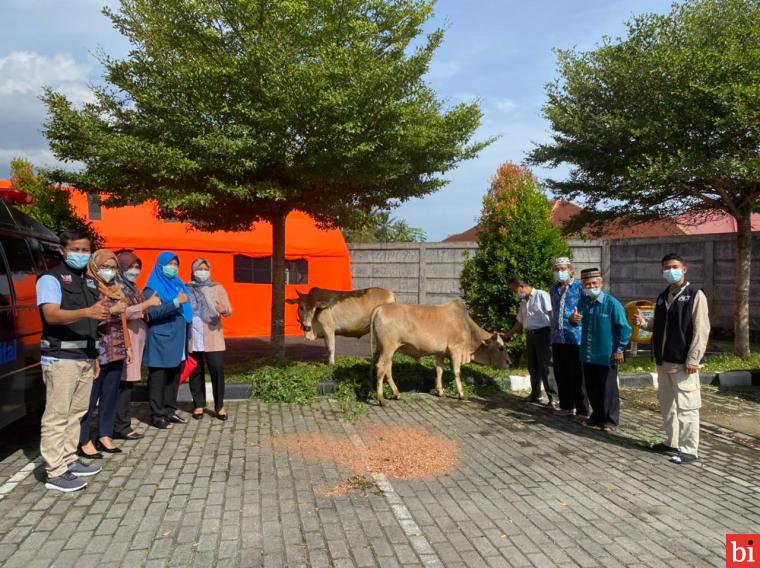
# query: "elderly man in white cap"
{"points": [[566, 339]]}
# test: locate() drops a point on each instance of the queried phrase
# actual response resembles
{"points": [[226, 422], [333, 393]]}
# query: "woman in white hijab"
{"points": [[210, 303]]}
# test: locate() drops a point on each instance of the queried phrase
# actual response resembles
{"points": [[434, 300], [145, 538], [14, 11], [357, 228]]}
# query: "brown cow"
{"points": [[327, 313], [444, 331]]}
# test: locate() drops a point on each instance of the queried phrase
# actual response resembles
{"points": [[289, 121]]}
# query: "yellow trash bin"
{"points": [[646, 309]]}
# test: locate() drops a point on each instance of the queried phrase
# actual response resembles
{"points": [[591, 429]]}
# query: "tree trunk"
{"points": [[743, 264], [278, 285]]}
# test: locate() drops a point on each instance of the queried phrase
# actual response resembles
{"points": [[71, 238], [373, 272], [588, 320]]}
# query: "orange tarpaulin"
{"points": [[138, 229]]}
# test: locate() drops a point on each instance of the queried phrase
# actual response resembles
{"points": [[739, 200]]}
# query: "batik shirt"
{"points": [[563, 304]]}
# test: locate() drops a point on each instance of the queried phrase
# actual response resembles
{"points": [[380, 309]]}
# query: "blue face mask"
{"points": [[521, 295], [77, 260], [170, 271], [592, 292], [673, 275], [561, 275]]}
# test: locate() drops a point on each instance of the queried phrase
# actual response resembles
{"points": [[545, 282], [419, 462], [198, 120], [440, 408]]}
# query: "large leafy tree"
{"points": [[516, 238], [233, 111], [666, 121]]}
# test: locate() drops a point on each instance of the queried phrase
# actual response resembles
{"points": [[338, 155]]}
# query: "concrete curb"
{"points": [[243, 391]]}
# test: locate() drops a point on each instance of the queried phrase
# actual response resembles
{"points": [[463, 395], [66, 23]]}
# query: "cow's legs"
{"points": [[330, 344], [381, 370], [439, 375], [391, 382], [456, 365]]}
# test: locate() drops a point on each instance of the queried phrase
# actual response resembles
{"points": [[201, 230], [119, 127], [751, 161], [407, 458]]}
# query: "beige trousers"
{"points": [[680, 401], [67, 385]]}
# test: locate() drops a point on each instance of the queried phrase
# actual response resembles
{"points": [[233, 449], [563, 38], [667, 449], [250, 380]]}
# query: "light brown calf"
{"points": [[444, 331]]}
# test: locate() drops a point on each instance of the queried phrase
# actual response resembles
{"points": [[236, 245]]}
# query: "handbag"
{"points": [[186, 369]]}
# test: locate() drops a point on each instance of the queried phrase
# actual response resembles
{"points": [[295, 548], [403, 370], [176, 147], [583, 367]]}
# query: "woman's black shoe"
{"points": [[177, 419], [222, 417], [96, 456], [197, 416], [160, 423], [101, 448], [132, 435]]}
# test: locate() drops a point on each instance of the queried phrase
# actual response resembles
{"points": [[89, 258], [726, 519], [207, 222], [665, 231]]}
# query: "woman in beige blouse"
{"points": [[210, 303]]}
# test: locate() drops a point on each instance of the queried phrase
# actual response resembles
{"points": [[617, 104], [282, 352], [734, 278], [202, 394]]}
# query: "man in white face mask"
{"points": [[604, 336], [681, 327]]}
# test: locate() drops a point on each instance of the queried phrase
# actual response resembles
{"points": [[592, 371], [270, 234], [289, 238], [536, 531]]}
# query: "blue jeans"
{"points": [[105, 390]]}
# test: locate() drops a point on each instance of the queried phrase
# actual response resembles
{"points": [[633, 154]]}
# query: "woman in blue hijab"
{"points": [[166, 345]]}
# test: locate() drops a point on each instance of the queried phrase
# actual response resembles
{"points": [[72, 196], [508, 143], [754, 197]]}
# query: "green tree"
{"points": [[666, 121], [233, 111], [51, 205], [517, 238], [379, 227]]}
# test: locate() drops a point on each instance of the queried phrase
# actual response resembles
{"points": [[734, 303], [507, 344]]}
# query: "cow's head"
{"points": [[492, 352], [307, 308]]}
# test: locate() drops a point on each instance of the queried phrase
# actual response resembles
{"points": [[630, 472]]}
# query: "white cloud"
{"points": [[23, 74], [504, 105]]}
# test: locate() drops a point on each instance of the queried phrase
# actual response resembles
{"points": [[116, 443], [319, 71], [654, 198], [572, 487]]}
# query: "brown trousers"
{"points": [[68, 384]]}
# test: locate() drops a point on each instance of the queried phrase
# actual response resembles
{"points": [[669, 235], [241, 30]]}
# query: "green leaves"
{"points": [[259, 106], [665, 120], [516, 239]]}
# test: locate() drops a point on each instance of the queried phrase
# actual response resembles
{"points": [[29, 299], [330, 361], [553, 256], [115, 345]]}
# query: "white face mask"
{"points": [[132, 274], [202, 275], [107, 274]]}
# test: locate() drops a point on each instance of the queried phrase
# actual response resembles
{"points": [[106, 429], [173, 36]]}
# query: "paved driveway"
{"points": [[530, 489]]}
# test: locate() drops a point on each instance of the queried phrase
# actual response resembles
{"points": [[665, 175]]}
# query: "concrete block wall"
{"points": [[636, 272], [428, 273]]}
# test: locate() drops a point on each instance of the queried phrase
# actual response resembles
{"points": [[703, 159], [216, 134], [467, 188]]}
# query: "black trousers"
{"points": [[214, 360], [603, 393], [123, 423], [163, 386], [539, 360], [568, 371]]}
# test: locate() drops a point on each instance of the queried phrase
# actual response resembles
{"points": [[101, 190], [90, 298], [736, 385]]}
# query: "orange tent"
{"points": [[239, 260]]}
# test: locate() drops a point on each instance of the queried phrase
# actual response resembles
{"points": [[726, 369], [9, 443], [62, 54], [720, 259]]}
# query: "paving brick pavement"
{"points": [[531, 489]]}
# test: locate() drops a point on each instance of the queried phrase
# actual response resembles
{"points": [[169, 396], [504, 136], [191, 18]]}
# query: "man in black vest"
{"points": [[681, 327], [68, 301]]}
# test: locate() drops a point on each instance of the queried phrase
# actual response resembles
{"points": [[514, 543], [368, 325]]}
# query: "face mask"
{"points": [[592, 292], [170, 271], [673, 275], [521, 295], [202, 275], [77, 260], [561, 275], [132, 274], [107, 274]]}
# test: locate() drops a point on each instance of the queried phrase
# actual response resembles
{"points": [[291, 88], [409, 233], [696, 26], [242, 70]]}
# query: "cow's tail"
{"points": [[372, 343]]}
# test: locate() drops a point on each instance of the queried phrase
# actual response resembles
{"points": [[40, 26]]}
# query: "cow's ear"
{"points": [[299, 294], [323, 305], [291, 301]]}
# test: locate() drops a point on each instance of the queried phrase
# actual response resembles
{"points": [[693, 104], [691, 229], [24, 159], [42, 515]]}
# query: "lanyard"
{"points": [[677, 295]]}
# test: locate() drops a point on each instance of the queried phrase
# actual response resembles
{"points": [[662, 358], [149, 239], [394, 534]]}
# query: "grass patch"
{"points": [[715, 362], [296, 382]]}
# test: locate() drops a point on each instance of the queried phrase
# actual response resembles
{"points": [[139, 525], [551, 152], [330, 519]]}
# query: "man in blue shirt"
{"points": [[68, 300], [566, 338], [604, 336]]}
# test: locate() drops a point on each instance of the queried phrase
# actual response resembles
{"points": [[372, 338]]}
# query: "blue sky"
{"points": [[496, 51]]}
